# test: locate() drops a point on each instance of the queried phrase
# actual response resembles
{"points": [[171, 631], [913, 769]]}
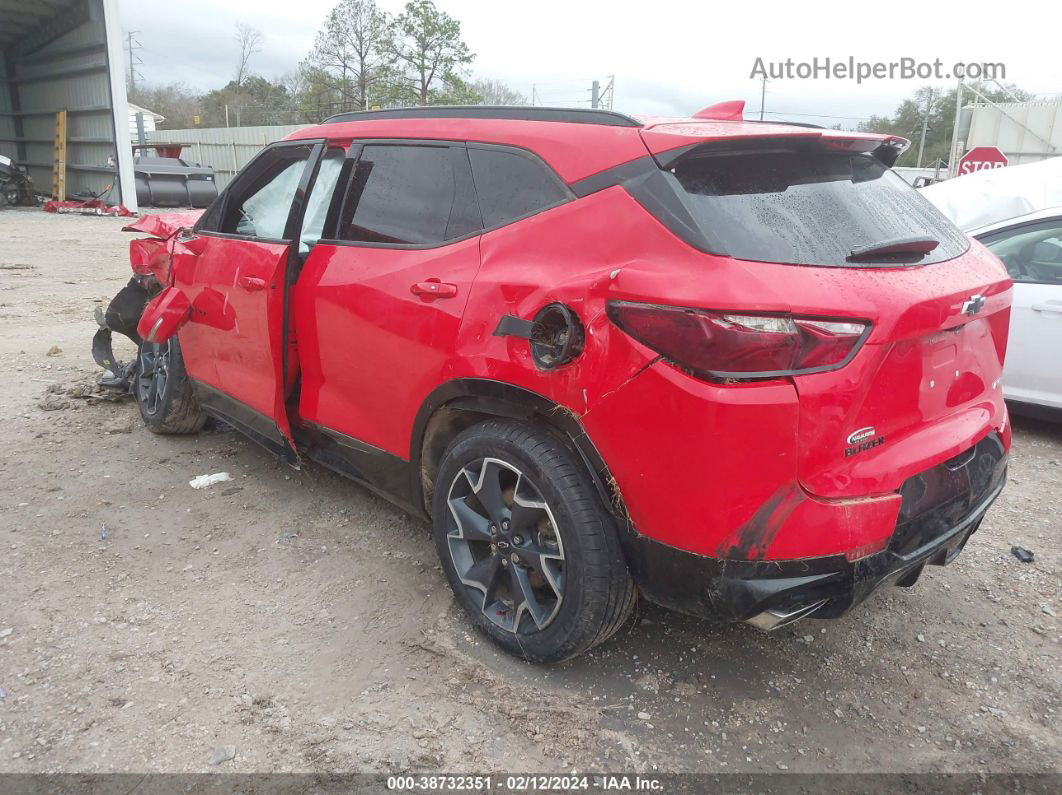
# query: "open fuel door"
{"points": [[233, 269]]}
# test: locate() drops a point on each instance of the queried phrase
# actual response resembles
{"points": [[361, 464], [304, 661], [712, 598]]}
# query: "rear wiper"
{"points": [[898, 247]]}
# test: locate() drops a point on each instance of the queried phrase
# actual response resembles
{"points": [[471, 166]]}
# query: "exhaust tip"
{"points": [[770, 620]]}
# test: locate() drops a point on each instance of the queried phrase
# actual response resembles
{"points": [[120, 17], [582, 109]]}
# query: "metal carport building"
{"points": [[66, 55]]}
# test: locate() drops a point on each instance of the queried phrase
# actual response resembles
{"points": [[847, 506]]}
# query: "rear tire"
{"points": [[163, 390], [527, 546]]}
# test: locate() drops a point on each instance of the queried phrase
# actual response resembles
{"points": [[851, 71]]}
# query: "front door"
{"points": [[234, 277]]}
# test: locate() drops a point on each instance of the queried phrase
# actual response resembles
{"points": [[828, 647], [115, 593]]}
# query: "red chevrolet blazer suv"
{"points": [[739, 368]]}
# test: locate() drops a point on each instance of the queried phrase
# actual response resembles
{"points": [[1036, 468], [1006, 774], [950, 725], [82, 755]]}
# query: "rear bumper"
{"points": [[931, 530]]}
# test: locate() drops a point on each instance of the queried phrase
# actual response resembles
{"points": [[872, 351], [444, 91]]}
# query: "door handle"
{"points": [[432, 288], [1050, 306], [251, 283]]}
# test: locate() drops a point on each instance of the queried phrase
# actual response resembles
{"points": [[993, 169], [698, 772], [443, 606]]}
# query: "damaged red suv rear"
{"points": [[739, 368]]}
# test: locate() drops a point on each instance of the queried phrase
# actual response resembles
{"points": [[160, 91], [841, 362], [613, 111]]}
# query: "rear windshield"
{"points": [[807, 206]]}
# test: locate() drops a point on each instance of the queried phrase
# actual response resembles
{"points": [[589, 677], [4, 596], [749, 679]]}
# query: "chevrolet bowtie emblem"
{"points": [[973, 305]]}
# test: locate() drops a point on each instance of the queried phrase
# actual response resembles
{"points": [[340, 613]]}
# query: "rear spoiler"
{"points": [[884, 148]]}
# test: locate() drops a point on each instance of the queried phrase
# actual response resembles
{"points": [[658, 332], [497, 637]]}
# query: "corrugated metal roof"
{"points": [[58, 50], [24, 22]]}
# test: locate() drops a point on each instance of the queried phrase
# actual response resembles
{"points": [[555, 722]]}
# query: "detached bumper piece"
{"points": [[122, 315], [941, 508]]}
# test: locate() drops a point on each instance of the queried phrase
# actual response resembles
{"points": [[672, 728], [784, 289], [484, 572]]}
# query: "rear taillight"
{"points": [[740, 346]]}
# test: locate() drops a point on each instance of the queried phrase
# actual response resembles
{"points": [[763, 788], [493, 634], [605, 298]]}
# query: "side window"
{"points": [[258, 201], [320, 198], [1032, 252], [511, 186], [405, 194]]}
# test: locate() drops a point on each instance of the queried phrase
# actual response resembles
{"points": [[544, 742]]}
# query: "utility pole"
{"points": [[603, 97], [534, 100], [763, 94], [953, 158], [925, 127], [134, 59], [609, 93]]}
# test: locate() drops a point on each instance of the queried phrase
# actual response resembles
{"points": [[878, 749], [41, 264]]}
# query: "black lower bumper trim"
{"points": [[737, 590]]}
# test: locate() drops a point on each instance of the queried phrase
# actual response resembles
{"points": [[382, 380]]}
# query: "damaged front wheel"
{"points": [[163, 391]]}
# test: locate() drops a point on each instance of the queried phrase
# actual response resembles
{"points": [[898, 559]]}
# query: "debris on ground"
{"points": [[206, 481], [57, 396], [52, 402], [55, 350], [1022, 554], [224, 754], [6, 632]]}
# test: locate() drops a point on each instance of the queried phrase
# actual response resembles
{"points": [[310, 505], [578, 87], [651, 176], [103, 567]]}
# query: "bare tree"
{"points": [[495, 92], [175, 101], [249, 40]]}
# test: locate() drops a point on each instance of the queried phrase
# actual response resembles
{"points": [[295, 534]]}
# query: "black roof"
{"points": [[511, 112]]}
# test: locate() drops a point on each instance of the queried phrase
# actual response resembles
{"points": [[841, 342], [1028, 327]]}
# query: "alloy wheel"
{"points": [[506, 546]]}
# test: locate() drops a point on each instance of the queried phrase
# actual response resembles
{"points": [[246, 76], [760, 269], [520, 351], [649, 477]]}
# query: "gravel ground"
{"points": [[291, 621]]}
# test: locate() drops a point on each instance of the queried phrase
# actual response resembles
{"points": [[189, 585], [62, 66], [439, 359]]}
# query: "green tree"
{"points": [[906, 121], [352, 54], [257, 101], [432, 55]]}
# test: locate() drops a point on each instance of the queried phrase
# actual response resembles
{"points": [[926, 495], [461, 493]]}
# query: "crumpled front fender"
{"points": [[163, 225], [164, 315]]}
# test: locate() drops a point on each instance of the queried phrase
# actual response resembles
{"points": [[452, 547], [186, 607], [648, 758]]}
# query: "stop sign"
{"points": [[981, 157]]}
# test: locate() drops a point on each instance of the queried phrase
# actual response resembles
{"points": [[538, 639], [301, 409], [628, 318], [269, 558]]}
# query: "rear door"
{"points": [[1032, 253], [234, 275], [378, 306]]}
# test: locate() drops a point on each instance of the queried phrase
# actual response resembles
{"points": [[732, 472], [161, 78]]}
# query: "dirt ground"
{"points": [[294, 622]]}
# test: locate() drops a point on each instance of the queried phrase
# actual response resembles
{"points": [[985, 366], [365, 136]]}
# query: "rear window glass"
{"points": [[806, 206], [512, 186]]}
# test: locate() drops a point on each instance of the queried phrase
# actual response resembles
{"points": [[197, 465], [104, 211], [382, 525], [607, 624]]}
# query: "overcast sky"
{"points": [[668, 57]]}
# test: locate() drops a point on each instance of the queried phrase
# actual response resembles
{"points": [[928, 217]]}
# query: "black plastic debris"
{"points": [[1022, 554]]}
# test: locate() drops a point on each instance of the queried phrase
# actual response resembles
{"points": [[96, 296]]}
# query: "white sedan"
{"points": [[1017, 213]]}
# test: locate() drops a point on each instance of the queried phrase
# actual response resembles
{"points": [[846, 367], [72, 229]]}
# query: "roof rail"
{"points": [[511, 112]]}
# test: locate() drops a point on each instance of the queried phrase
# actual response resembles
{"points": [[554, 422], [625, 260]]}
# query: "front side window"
{"points": [[804, 206], [405, 194], [1031, 252], [258, 202], [320, 198], [512, 186]]}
